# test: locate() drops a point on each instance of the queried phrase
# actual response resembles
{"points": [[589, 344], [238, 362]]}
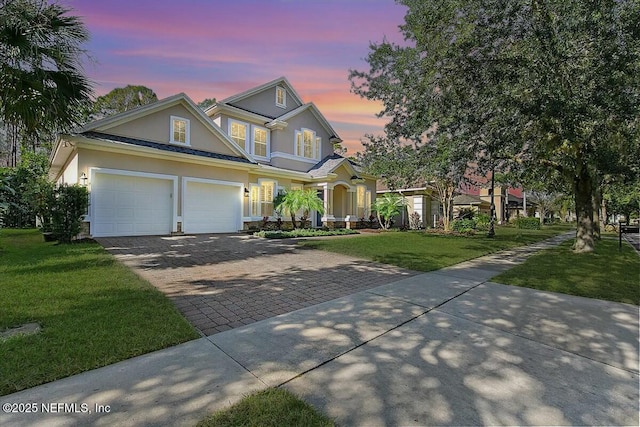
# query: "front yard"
{"points": [[93, 311], [422, 251]]}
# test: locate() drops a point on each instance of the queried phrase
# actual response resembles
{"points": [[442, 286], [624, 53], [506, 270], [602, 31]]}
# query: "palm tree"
{"points": [[387, 206], [42, 85], [295, 200]]}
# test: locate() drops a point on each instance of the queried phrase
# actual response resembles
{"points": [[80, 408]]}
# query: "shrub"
{"points": [[483, 221], [71, 202], [528, 223], [414, 221], [466, 213], [463, 225]]}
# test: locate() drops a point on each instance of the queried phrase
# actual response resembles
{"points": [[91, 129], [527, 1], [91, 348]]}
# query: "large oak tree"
{"points": [[538, 84]]}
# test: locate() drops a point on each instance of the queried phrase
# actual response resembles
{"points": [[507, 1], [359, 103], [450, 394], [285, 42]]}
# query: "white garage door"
{"points": [[211, 208], [125, 205]]}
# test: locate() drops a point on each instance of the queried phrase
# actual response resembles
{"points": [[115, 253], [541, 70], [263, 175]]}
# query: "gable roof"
{"points": [[103, 125], [467, 199], [316, 113], [330, 163], [280, 81]]}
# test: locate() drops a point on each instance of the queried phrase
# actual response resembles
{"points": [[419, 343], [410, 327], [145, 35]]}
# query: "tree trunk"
{"points": [[583, 189], [293, 220], [596, 202]]}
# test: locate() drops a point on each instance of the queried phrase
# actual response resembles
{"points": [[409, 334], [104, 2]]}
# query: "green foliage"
{"points": [[206, 103], [303, 232], [122, 99], [483, 221], [25, 190], [386, 207], [42, 85], [527, 223], [295, 200], [542, 85], [466, 213], [70, 206], [463, 225]]}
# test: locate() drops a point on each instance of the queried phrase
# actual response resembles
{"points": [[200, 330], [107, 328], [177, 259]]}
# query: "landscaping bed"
{"points": [[305, 232], [92, 311]]}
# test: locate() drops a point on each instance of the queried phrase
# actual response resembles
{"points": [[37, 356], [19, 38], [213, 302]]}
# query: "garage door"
{"points": [[211, 208], [130, 205]]}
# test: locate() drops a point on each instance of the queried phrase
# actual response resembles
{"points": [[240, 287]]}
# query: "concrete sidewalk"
{"points": [[442, 348]]}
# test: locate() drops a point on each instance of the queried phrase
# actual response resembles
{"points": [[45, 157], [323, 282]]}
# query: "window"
{"points": [[262, 195], [238, 132], [179, 131], [307, 144], [281, 97], [260, 137]]}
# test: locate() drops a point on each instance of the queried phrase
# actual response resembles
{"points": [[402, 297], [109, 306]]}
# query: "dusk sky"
{"points": [[217, 48]]}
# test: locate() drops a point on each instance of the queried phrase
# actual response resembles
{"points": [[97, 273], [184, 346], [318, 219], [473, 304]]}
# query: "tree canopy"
{"points": [[542, 85], [42, 84], [122, 99]]}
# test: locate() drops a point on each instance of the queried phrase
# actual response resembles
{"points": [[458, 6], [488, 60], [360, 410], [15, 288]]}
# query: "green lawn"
{"points": [[425, 252], [606, 273], [273, 407], [93, 311]]}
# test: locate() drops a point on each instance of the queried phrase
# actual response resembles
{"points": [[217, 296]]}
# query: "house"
{"points": [[422, 199], [169, 167]]}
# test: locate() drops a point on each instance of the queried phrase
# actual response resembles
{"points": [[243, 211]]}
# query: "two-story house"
{"points": [[169, 167]]}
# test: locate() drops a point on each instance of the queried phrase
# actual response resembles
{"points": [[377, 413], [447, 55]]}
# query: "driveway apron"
{"points": [[220, 282]]}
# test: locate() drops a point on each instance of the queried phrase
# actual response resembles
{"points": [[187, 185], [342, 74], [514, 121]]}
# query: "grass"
{"points": [[606, 273], [273, 407], [93, 310], [425, 251]]}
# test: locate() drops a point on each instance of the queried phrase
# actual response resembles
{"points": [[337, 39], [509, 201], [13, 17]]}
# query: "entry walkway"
{"points": [[443, 348]]}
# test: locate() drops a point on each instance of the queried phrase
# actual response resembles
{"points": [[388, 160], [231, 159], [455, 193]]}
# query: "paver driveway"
{"points": [[220, 282]]}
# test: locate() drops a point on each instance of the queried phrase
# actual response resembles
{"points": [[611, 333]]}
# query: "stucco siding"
{"points": [[156, 127], [264, 102]]}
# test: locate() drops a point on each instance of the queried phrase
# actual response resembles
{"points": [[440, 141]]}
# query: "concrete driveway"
{"points": [[220, 282]]}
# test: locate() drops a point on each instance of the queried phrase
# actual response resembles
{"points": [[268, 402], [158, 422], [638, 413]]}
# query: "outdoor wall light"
{"points": [[246, 192], [83, 179]]}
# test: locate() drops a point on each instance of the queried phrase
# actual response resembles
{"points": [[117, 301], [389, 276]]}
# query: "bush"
{"points": [[463, 225], [414, 221], [483, 221], [528, 223], [71, 203]]}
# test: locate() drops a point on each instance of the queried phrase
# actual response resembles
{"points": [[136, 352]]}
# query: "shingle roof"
{"points": [[329, 163], [466, 199], [163, 147]]}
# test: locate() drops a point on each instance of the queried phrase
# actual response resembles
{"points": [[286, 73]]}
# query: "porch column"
{"points": [[328, 219], [351, 216]]}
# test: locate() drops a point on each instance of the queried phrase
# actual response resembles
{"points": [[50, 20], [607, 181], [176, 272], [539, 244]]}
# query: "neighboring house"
{"points": [[169, 167], [420, 199]]}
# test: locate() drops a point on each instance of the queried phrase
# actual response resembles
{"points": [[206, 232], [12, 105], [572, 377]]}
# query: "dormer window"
{"points": [[281, 97], [179, 131]]}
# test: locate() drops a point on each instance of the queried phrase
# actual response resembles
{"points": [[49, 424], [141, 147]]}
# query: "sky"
{"points": [[217, 48]]}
